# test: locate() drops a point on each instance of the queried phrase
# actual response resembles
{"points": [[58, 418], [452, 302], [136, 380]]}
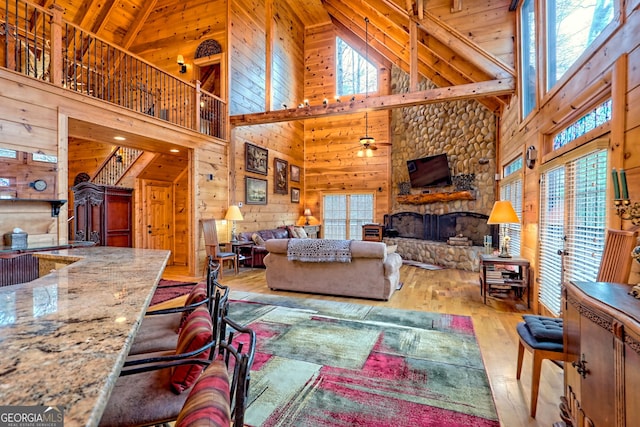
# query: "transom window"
{"points": [[354, 73], [594, 118]]}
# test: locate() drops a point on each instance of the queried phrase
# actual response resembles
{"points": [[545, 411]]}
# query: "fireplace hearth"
{"points": [[439, 228]]}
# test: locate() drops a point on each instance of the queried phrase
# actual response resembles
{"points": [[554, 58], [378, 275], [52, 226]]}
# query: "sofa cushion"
{"points": [[300, 232], [257, 239]]}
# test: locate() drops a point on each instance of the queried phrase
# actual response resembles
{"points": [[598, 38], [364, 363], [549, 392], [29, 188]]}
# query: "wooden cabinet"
{"points": [[372, 232], [103, 214], [602, 370]]}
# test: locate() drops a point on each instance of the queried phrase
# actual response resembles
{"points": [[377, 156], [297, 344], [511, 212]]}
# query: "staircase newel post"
{"points": [[55, 65], [198, 95]]}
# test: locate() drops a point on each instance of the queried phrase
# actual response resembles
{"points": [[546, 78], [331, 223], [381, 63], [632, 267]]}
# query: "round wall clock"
{"points": [[39, 185]]}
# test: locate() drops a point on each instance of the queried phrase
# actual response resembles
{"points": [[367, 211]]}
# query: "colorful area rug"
{"points": [[167, 290], [423, 265], [323, 363]]}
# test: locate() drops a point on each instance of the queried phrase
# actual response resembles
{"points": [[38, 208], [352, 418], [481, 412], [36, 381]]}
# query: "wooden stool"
{"points": [[542, 336]]}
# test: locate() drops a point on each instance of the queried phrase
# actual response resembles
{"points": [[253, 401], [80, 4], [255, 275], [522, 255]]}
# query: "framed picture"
{"points": [[281, 177], [255, 191], [256, 159], [295, 173], [295, 195]]}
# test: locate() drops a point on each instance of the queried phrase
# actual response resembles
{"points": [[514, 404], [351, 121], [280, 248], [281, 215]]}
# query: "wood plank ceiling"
{"points": [[450, 42]]}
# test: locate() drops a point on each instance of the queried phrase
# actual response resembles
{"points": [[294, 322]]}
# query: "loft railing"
{"points": [[40, 44]]}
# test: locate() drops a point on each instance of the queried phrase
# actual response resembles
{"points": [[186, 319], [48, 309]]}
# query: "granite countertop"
{"points": [[64, 336]]}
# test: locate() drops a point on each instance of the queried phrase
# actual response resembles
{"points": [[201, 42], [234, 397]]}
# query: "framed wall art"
{"points": [[295, 195], [255, 191], [281, 176], [295, 173], [256, 159]]}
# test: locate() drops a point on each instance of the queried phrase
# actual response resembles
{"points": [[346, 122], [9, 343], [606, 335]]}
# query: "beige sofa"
{"points": [[372, 273]]}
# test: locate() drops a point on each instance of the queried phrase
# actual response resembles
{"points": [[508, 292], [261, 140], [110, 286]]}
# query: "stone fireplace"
{"points": [[439, 228], [423, 237]]}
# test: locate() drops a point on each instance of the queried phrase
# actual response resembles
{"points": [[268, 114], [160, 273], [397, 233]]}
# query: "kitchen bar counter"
{"points": [[64, 336]]}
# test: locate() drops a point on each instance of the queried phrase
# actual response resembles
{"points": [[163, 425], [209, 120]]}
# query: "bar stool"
{"points": [[542, 336]]}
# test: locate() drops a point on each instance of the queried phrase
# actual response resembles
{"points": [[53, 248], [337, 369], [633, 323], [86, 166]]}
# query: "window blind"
{"points": [[345, 214], [512, 191], [572, 219]]}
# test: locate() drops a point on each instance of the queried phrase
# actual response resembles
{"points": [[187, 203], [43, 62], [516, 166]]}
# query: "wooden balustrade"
{"points": [[40, 44]]}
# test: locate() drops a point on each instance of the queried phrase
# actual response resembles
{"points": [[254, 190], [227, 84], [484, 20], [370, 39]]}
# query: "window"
{"points": [[594, 118], [572, 26], [345, 214], [41, 157], [353, 71], [11, 154], [572, 219], [528, 57], [511, 190]]}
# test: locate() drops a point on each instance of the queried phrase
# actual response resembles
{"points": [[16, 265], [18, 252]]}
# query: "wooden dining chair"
{"points": [[542, 336], [213, 247], [615, 264]]}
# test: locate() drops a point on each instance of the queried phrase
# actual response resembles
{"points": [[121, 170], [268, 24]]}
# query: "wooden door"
{"points": [[158, 216]]}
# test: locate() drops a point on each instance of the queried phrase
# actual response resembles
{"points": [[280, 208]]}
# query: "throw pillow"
{"points": [[198, 294], [208, 403], [302, 234], [196, 333], [257, 239], [292, 232]]}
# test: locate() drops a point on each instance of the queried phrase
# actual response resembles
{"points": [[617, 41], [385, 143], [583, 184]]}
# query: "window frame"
{"points": [[347, 221], [543, 95]]}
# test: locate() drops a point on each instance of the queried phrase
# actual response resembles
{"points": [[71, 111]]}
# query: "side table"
{"points": [[236, 246], [517, 279]]}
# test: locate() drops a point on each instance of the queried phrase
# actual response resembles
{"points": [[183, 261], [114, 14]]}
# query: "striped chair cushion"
{"points": [[197, 331], [208, 403], [198, 293]]}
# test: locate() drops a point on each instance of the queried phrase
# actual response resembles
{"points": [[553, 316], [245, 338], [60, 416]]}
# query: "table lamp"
{"points": [[233, 215], [307, 215], [503, 213]]}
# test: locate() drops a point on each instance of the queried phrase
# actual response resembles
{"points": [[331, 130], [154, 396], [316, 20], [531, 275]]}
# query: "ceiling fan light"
{"points": [[369, 152], [360, 153], [367, 140]]}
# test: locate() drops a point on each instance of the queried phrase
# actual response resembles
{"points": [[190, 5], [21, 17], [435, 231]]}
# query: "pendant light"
{"points": [[366, 141]]}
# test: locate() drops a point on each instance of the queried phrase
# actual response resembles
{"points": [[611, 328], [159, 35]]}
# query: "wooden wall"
{"points": [[177, 28], [39, 121], [261, 49], [610, 69], [332, 143]]}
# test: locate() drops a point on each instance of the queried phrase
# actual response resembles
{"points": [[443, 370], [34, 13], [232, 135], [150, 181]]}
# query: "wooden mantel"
{"points": [[421, 199]]}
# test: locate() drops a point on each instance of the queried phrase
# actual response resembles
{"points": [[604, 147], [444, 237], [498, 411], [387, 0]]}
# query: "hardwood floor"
{"points": [[454, 292]]}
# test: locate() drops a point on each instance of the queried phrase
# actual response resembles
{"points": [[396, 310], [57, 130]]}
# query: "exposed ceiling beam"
{"points": [[137, 24], [468, 91], [459, 43]]}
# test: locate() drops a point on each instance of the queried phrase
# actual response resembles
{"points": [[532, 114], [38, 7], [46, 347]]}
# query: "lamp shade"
{"points": [[307, 212], [234, 214], [503, 213]]}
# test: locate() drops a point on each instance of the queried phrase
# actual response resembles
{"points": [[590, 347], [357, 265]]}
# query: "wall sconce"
{"points": [[183, 67], [531, 156]]}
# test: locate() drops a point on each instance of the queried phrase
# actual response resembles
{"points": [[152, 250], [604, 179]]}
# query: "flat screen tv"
{"points": [[432, 171]]}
